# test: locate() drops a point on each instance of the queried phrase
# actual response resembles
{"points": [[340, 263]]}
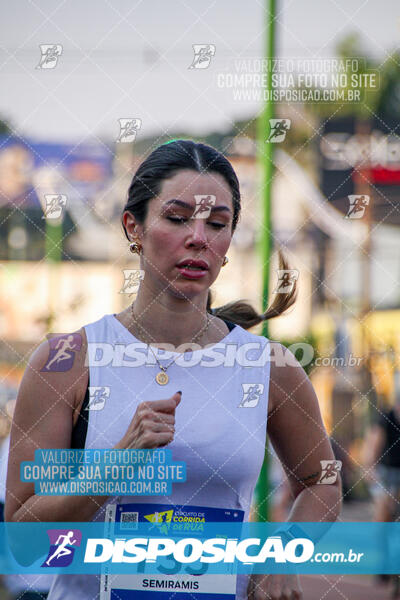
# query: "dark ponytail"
{"points": [[243, 314], [163, 163]]}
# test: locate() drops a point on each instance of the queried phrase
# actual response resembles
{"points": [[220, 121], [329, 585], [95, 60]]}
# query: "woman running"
{"points": [[213, 407]]}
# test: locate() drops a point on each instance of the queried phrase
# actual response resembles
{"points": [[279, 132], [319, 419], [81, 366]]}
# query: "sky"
{"points": [[130, 59]]}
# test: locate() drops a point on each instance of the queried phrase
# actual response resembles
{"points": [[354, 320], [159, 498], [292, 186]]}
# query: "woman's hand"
{"points": [[274, 587], [153, 424]]}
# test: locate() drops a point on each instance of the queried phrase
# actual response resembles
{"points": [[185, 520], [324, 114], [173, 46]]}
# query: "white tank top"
{"points": [[220, 423]]}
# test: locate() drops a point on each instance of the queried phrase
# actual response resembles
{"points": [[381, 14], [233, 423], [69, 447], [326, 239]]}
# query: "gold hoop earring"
{"points": [[135, 248], [226, 260]]}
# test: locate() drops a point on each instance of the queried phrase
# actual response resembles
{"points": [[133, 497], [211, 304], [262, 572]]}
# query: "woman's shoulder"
{"points": [[288, 379], [61, 359], [59, 363]]}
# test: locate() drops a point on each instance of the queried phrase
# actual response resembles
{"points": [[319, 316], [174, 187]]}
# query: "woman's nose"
{"points": [[198, 234]]}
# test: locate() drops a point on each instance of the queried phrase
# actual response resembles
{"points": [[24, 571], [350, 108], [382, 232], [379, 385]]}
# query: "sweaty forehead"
{"points": [[185, 184]]}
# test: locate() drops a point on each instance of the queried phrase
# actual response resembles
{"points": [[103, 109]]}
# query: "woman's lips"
{"points": [[192, 273]]}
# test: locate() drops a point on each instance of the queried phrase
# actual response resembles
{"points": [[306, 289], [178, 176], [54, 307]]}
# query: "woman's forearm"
{"points": [[58, 508], [317, 503]]}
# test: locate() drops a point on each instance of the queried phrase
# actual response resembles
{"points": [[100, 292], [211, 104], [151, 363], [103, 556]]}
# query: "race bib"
{"points": [[183, 581]]}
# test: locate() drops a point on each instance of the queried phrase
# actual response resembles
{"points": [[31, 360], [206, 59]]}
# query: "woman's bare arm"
{"points": [[44, 415], [299, 437]]}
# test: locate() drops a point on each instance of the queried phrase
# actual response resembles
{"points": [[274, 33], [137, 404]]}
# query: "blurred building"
{"points": [[32, 175]]}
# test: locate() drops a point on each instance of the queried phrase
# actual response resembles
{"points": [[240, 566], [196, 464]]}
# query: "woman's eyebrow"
{"points": [[186, 205]]}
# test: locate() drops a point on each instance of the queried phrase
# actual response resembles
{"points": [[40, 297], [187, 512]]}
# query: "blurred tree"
{"points": [[301, 354], [383, 101], [5, 128], [388, 103]]}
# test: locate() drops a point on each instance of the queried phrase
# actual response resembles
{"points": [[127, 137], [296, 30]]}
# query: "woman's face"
{"points": [[190, 219]]}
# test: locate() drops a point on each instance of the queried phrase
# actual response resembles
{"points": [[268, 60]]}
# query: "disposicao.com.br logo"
{"points": [[190, 550], [212, 551]]}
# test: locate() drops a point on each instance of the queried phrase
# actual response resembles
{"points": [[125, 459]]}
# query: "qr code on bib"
{"points": [[129, 520]]}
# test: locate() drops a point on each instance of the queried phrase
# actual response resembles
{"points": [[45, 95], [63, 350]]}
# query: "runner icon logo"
{"points": [[286, 280], [329, 471], [50, 54], [61, 553], [204, 202], [128, 129], [160, 520], [278, 130], [251, 394], [202, 55], [54, 205], [62, 348], [97, 397], [357, 206], [131, 284]]}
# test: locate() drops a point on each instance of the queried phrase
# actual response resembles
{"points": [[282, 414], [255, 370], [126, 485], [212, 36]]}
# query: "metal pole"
{"points": [[265, 157], [53, 241], [363, 187]]}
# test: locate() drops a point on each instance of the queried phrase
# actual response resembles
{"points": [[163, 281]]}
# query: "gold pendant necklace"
{"points": [[162, 377]]}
